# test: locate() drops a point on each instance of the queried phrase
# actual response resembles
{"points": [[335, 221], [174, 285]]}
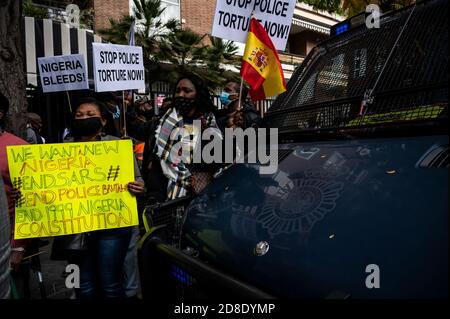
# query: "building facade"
{"points": [[308, 27]]}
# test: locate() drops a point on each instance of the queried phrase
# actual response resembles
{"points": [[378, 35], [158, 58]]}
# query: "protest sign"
{"points": [[232, 19], [118, 67], [72, 188], [63, 73]]}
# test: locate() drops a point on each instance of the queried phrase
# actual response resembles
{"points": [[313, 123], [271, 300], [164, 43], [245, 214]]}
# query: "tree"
{"points": [[332, 6], [170, 50], [183, 49], [86, 14], [187, 51], [149, 30], [12, 75], [222, 53], [31, 10]]}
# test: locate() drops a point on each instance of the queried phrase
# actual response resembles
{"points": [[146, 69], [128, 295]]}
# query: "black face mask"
{"points": [[86, 127], [184, 105]]}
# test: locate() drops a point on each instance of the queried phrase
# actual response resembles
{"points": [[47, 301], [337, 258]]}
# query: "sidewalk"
{"points": [[53, 278]]}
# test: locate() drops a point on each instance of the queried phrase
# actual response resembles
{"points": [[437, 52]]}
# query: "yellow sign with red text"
{"points": [[72, 188]]}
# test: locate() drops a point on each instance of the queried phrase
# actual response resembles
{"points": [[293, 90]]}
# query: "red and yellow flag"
{"points": [[261, 67]]}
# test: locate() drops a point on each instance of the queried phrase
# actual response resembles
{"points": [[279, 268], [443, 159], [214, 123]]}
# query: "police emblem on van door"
{"points": [[298, 205]]}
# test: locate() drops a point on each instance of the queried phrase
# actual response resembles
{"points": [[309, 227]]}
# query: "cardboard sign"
{"points": [[63, 73], [72, 188], [232, 19], [118, 67]]}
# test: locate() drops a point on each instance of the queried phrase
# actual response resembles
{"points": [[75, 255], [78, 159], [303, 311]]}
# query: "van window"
{"points": [[330, 89]]}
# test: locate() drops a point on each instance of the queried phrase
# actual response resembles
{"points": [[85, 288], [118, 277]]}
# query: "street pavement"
{"points": [[52, 275]]}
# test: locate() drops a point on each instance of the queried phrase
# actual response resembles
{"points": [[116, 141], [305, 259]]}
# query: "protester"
{"points": [[18, 247], [165, 106], [192, 101], [138, 116], [148, 132], [34, 128], [101, 262], [141, 121], [108, 129], [111, 101], [33, 136], [155, 181], [128, 98], [5, 247], [130, 275], [231, 116], [144, 109]]}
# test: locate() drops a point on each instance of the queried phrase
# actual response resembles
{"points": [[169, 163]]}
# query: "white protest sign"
{"points": [[118, 67], [232, 19], [63, 73]]}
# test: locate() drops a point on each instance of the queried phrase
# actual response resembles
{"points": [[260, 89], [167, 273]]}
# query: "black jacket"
{"points": [[251, 116]]}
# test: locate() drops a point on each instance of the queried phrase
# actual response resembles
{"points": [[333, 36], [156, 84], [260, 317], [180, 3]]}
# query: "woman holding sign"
{"points": [[101, 260]]}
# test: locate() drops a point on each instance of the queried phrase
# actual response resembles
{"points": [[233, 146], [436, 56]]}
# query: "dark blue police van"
{"points": [[359, 204]]}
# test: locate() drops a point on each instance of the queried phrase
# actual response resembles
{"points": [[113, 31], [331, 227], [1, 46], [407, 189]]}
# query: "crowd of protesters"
{"points": [[108, 258]]}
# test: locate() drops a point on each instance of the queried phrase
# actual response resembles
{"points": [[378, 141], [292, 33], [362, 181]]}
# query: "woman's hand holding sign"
{"points": [[136, 188]]}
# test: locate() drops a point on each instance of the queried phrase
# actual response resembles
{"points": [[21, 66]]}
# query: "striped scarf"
{"points": [[171, 130]]}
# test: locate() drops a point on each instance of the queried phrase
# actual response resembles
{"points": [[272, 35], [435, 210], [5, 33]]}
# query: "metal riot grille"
{"points": [[328, 88], [170, 214]]}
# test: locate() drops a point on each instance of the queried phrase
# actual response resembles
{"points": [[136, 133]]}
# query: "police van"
{"points": [[358, 207]]}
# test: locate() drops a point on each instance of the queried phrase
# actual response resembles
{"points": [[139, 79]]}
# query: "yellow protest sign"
{"points": [[72, 188]]}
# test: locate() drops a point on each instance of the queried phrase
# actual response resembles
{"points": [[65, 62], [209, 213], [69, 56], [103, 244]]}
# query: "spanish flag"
{"points": [[261, 67]]}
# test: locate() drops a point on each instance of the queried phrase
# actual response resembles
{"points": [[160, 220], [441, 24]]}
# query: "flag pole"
{"points": [[240, 93], [252, 15], [68, 99], [131, 42]]}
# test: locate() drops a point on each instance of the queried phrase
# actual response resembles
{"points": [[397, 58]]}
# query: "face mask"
{"points": [[183, 105], [225, 98], [86, 127], [116, 114]]}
